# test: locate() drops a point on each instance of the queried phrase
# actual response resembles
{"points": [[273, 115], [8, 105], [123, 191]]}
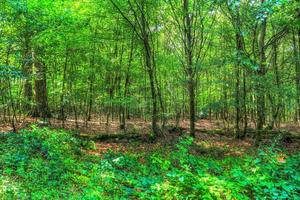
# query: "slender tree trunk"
{"points": [[91, 79], [126, 85], [275, 105], [245, 103], [158, 88], [27, 71], [155, 128], [297, 69], [189, 63], [260, 86], [240, 53], [62, 96], [90, 102], [192, 108], [11, 98], [237, 84], [261, 76], [13, 120], [150, 69], [142, 28]]}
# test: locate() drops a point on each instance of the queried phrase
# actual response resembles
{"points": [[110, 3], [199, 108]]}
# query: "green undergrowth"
{"points": [[48, 164]]}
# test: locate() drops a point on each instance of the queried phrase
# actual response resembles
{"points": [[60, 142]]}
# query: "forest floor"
{"points": [[217, 140], [210, 136], [100, 126], [95, 161]]}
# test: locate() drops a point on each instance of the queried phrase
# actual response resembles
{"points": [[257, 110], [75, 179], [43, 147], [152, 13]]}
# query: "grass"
{"points": [[51, 164]]}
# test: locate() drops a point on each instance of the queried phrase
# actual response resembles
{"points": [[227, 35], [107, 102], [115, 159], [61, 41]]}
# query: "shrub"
{"points": [[48, 164]]}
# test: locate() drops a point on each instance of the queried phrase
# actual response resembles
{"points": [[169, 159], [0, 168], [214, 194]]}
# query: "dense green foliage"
{"points": [[95, 58], [113, 65], [49, 164]]}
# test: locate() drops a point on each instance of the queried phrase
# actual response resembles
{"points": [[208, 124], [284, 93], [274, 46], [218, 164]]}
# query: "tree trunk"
{"points": [[27, 70], [150, 69], [62, 96], [275, 105], [239, 50], [40, 89], [189, 63], [153, 89], [261, 76], [126, 85], [91, 79], [297, 70], [245, 103]]}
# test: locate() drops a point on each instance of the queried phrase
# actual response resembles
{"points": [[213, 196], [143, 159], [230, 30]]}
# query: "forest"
{"points": [[150, 99]]}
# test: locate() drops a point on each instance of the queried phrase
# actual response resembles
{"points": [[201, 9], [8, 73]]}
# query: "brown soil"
{"points": [[208, 140]]}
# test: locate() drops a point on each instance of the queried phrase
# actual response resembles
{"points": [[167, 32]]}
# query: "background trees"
{"points": [[235, 61], [191, 20]]}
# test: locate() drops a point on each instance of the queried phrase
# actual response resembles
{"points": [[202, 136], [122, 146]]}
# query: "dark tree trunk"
{"points": [[240, 54], [189, 62], [126, 85], [91, 79], [40, 88], [275, 104], [297, 69], [150, 69], [62, 96], [27, 71], [239, 50], [261, 76], [141, 27], [155, 128], [245, 103]]}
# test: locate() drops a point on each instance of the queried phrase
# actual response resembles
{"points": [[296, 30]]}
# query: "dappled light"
{"points": [[149, 99]]}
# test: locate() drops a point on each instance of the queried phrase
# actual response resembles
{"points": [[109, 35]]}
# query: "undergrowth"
{"points": [[51, 164]]}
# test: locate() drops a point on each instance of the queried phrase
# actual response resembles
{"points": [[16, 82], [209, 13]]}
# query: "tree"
{"points": [[40, 87], [142, 27], [190, 19]]}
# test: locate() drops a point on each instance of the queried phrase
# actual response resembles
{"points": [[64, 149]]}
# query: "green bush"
{"points": [[42, 161], [49, 164]]}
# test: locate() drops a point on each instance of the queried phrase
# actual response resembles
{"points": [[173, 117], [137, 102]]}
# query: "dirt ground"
{"points": [[210, 136], [99, 126]]}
